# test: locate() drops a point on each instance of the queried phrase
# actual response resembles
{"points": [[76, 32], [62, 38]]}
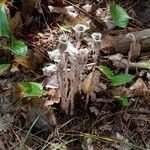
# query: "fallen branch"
{"points": [[120, 44], [120, 62]]}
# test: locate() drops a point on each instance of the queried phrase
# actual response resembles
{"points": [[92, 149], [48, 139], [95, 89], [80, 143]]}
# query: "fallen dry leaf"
{"points": [[25, 62], [3, 1], [94, 110], [139, 88], [53, 97], [89, 83], [16, 23]]}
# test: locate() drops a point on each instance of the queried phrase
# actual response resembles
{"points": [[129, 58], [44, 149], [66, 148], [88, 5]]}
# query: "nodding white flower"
{"points": [[96, 39], [63, 43], [55, 55], [80, 30], [49, 69]]}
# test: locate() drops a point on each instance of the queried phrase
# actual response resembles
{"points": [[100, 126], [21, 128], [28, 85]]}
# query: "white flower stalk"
{"points": [[62, 71], [96, 40], [49, 69], [96, 49], [96, 37], [80, 31], [63, 43]]}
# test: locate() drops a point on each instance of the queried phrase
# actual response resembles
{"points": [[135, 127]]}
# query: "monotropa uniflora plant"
{"points": [[71, 61]]}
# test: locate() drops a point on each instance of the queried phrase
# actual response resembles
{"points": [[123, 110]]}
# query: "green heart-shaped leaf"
{"points": [[4, 24], [119, 15], [121, 79], [29, 89], [18, 47]]}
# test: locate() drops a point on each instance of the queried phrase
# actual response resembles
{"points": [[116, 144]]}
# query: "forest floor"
{"points": [[96, 98]]}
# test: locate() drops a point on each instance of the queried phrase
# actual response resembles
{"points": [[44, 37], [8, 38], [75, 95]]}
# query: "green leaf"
{"points": [[29, 89], [105, 70], [121, 79], [119, 15], [124, 100], [4, 24], [18, 47], [4, 68]]}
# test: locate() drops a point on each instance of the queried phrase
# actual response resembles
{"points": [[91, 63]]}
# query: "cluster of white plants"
{"points": [[70, 61]]}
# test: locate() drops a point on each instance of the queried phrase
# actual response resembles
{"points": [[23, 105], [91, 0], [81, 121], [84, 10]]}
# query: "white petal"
{"points": [[72, 50], [55, 55], [49, 69]]}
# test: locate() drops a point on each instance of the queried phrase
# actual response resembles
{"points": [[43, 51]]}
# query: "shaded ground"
{"points": [[103, 123]]}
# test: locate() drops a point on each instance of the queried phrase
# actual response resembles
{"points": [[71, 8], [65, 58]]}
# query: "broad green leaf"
{"points": [[121, 79], [18, 47], [105, 70], [119, 15], [4, 24], [4, 68], [29, 89], [124, 100]]}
